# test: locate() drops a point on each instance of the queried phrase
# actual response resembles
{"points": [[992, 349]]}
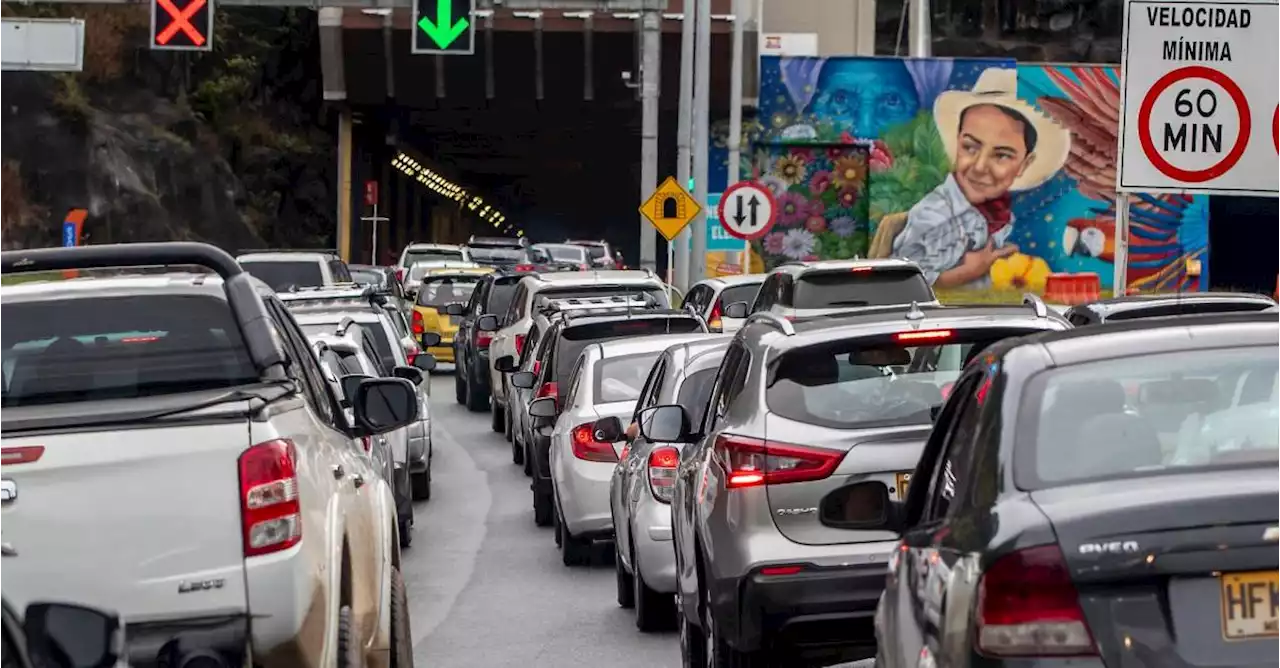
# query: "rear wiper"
{"points": [[238, 394]]}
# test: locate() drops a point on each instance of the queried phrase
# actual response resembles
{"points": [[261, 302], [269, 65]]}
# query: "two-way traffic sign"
{"points": [[748, 210], [444, 27]]}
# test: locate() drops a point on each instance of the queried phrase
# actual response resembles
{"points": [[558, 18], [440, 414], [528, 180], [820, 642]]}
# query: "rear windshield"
{"points": [[872, 382], [375, 331], [595, 252], [500, 295], [657, 296], [1187, 308], [695, 393], [120, 347], [621, 378], [284, 275], [1148, 415], [433, 255], [573, 340], [499, 255], [565, 253], [368, 277], [443, 290], [860, 288], [739, 293]]}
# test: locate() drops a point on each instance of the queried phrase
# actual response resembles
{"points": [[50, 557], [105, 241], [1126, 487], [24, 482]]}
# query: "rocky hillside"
{"points": [[230, 147]]}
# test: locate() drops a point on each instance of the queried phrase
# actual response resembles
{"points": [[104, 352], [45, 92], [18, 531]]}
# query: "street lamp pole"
{"points": [[650, 69], [735, 114], [684, 138], [921, 29], [702, 136]]}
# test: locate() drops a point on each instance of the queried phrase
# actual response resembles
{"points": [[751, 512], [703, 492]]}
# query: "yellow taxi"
{"points": [[439, 288]]}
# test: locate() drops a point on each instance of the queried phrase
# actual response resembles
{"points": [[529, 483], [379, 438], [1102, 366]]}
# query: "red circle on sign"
{"points": [[768, 195], [1144, 124]]}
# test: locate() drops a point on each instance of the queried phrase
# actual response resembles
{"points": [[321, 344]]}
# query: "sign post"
{"points": [[445, 27], [182, 25], [1199, 108]]}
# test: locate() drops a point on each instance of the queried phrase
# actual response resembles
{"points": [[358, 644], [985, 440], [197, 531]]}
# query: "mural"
{"points": [[987, 174]]}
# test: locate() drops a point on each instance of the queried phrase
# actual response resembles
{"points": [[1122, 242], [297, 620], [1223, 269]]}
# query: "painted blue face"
{"points": [[864, 97]]}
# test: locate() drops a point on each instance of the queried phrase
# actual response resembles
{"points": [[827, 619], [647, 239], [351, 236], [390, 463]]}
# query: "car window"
{"points": [[619, 379], [575, 339], [694, 392], [765, 297], [831, 289], [440, 291], [519, 302], [697, 298], [432, 255], [304, 364], [738, 293], [340, 272], [368, 277], [495, 255], [564, 253], [382, 344], [575, 382], [532, 348], [285, 275], [499, 297], [1149, 414], [652, 387], [1187, 308], [729, 381], [120, 347], [380, 367], [951, 464]]}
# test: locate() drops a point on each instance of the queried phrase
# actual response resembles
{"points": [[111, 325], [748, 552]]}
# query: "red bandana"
{"points": [[998, 212]]}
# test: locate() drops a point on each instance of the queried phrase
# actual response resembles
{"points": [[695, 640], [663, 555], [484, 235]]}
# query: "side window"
{"points": [[698, 298], [729, 382], [378, 366], [516, 306], [308, 370], [1077, 319], [478, 297], [571, 397], [764, 298], [649, 395], [953, 460], [786, 291], [530, 351], [339, 271]]}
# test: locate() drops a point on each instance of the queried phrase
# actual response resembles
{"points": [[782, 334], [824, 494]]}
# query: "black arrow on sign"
{"points": [[755, 202], [738, 217]]}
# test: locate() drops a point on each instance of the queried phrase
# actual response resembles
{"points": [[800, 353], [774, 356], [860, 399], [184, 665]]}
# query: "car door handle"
{"points": [[357, 480], [338, 471]]}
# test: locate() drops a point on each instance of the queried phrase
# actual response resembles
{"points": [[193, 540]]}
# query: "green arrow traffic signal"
{"points": [[443, 26], [444, 31]]}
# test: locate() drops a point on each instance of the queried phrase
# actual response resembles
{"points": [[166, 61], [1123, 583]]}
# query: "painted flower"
{"points": [[775, 185], [848, 172], [792, 209], [802, 155], [773, 243], [796, 244], [789, 169], [1020, 272], [846, 138], [816, 224], [843, 226], [847, 197], [880, 159], [820, 181], [816, 208]]}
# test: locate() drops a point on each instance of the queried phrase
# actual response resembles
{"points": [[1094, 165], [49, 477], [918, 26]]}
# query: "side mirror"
{"points": [[543, 412], [934, 412], [410, 373], [384, 404], [71, 636], [487, 323], [665, 424], [862, 506], [737, 310], [425, 362], [607, 430], [429, 340], [349, 384], [505, 364], [454, 309], [523, 380]]}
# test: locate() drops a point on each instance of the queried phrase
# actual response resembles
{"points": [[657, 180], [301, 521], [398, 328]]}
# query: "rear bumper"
{"points": [[822, 611], [443, 352], [583, 489], [171, 642]]}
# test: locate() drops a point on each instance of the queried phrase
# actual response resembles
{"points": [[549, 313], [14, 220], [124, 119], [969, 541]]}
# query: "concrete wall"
{"points": [[844, 27]]}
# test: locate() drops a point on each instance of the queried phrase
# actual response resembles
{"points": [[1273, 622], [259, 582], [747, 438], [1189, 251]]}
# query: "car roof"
{"points": [[430, 246], [740, 279], [369, 267], [881, 321], [169, 283], [287, 256], [574, 278], [1124, 303], [573, 318], [1156, 335], [328, 314], [457, 271], [644, 344], [840, 265]]}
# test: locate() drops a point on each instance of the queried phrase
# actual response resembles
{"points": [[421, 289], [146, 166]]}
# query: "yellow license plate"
{"points": [[904, 479], [1249, 604]]}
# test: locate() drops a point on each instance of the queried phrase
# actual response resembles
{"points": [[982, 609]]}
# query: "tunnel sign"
{"points": [[444, 27], [1199, 99], [670, 208], [747, 210], [182, 25]]}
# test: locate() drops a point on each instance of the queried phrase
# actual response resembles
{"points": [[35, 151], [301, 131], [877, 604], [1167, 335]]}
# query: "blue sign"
{"points": [[718, 239], [68, 234]]}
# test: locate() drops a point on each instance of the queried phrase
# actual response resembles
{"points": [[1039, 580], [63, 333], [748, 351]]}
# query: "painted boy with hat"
{"points": [[997, 144]]}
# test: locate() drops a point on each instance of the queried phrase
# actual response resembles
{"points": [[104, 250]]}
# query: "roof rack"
{"points": [[914, 313], [1036, 303], [337, 293], [773, 320], [549, 305]]}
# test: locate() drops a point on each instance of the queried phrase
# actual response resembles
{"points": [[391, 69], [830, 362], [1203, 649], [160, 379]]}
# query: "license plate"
{"points": [[903, 480], [1249, 602]]}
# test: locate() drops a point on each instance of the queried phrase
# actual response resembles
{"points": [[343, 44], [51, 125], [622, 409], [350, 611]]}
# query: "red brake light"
{"points": [[752, 461], [587, 448], [400, 275], [25, 454], [859, 270], [781, 570], [418, 325], [139, 339], [547, 390], [537, 366], [524, 267], [483, 339], [520, 344], [946, 390], [270, 514], [412, 354], [367, 443], [662, 472], [924, 335], [1027, 606]]}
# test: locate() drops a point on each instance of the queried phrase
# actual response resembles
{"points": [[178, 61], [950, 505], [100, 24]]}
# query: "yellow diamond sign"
{"points": [[670, 208]]}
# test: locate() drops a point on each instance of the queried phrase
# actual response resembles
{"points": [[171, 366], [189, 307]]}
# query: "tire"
{"points": [[459, 389], [476, 402], [543, 508], [497, 417], [654, 611], [349, 651], [718, 651], [508, 430], [406, 534], [693, 645], [401, 636], [626, 588], [528, 462], [422, 484], [573, 550], [517, 452]]}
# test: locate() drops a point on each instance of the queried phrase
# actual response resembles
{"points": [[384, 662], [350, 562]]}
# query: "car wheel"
{"points": [[528, 461], [401, 638], [573, 550], [718, 652], [517, 451], [654, 611], [349, 650], [626, 589], [406, 533], [498, 417], [508, 431], [476, 402], [422, 484], [542, 508], [693, 647], [459, 389]]}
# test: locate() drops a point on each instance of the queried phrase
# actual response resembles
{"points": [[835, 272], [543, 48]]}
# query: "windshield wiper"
{"points": [[238, 394], [851, 302]]}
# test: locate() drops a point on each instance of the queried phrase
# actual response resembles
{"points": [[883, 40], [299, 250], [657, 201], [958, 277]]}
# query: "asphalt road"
{"points": [[486, 587]]}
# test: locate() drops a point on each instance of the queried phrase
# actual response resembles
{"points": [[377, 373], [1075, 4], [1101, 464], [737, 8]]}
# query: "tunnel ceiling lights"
{"points": [[448, 189]]}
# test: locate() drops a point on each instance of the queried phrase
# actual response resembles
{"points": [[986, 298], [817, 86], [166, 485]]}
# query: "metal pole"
{"points": [[650, 67], [702, 133], [343, 239], [684, 136], [921, 29], [1120, 277], [735, 114], [373, 251]]}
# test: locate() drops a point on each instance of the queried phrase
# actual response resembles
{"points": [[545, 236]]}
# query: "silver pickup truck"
{"points": [[173, 452]]}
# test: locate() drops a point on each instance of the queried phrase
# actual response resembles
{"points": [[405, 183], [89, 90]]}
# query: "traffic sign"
{"points": [[371, 193], [748, 210], [1199, 84], [718, 239], [444, 27], [670, 208], [182, 25]]}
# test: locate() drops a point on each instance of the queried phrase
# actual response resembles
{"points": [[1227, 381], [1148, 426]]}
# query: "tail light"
{"points": [[547, 390], [537, 367], [412, 354], [751, 461], [400, 275], [662, 472], [524, 267], [713, 320], [519, 344], [23, 454], [583, 267], [945, 390], [418, 325], [367, 443], [860, 270], [587, 448], [270, 514], [924, 335], [789, 569], [483, 339], [1027, 606]]}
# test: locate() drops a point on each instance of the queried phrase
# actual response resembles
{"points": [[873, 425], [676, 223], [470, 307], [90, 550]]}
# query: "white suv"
{"points": [[290, 270]]}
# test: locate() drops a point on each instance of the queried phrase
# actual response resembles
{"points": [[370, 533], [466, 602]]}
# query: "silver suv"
{"points": [[286, 270], [174, 453], [766, 558], [798, 290]]}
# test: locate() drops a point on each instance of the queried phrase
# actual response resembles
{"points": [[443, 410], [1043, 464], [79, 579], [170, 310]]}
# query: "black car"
{"points": [[558, 351], [1132, 307], [470, 345], [1097, 496]]}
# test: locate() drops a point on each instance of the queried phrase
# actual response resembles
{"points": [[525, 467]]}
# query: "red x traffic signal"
{"points": [[182, 25]]}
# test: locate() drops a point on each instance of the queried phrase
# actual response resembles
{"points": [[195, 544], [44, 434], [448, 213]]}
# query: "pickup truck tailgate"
{"points": [[144, 521]]}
